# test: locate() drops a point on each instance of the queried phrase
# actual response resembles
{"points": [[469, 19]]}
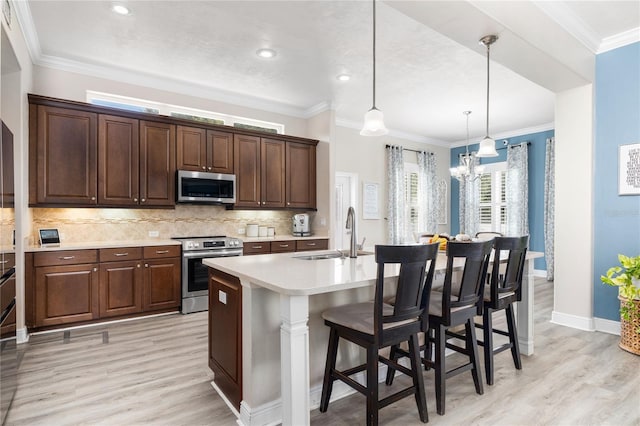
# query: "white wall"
{"points": [[68, 85], [366, 156], [321, 127], [573, 298]]}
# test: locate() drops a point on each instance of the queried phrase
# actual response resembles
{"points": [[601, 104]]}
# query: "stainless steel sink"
{"points": [[344, 254]]}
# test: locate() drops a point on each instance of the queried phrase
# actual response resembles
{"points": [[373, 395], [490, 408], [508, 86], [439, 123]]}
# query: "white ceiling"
{"points": [[430, 67]]}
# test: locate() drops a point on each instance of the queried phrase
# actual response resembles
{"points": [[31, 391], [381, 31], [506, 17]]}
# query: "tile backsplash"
{"points": [[82, 225]]}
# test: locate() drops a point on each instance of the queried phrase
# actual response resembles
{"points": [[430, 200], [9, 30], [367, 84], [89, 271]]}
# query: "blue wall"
{"points": [[617, 122], [536, 186]]}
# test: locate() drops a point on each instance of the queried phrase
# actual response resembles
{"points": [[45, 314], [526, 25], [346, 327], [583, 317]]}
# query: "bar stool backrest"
{"points": [[511, 280]]}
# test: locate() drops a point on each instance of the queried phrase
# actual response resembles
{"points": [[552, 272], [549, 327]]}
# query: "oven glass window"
{"points": [[198, 276]]}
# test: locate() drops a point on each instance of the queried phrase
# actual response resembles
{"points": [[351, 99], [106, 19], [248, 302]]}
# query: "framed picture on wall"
{"points": [[370, 203], [629, 169]]}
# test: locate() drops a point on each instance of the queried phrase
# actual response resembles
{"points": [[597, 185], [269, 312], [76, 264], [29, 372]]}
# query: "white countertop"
{"points": [[246, 239], [104, 244], [283, 273]]}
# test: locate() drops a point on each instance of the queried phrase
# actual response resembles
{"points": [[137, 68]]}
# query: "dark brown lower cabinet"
{"points": [[66, 294], [120, 288], [225, 333], [161, 284]]}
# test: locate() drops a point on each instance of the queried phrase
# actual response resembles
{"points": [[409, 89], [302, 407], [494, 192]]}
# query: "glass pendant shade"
{"points": [[487, 148], [374, 123]]}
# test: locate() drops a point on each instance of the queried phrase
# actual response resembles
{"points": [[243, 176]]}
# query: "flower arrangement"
{"points": [[627, 278]]}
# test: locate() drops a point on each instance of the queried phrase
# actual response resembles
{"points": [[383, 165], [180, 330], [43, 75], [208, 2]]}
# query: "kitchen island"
{"points": [[282, 298]]}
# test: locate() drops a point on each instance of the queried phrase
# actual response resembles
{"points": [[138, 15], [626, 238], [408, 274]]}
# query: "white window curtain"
{"points": [[427, 191], [469, 199], [517, 190], [549, 205], [395, 179]]}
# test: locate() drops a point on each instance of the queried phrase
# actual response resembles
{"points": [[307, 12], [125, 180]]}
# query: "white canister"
{"points": [[252, 230], [262, 231], [271, 231]]}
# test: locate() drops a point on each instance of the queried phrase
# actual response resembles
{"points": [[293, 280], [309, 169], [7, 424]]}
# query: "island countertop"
{"points": [[286, 273]]}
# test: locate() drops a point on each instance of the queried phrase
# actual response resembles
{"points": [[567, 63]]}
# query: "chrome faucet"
{"points": [[351, 224]]}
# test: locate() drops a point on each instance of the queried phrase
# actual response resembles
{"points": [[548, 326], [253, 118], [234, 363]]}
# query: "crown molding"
{"points": [[511, 133], [571, 23], [317, 109], [620, 40], [395, 133], [23, 16]]}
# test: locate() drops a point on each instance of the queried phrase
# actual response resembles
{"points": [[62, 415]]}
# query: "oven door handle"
{"points": [[211, 253]]}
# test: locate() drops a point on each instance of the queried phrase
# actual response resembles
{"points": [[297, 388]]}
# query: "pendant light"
{"points": [[468, 170], [374, 119], [488, 145]]}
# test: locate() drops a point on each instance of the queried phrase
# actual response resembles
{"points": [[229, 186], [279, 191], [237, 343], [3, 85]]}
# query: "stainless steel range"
{"points": [[195, 275]]}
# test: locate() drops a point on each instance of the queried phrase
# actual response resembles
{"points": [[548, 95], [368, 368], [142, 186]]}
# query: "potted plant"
{"points": [[627, 278]]}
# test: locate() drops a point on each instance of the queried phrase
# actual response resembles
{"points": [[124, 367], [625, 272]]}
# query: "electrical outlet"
{"points": [[154, 234], [240, 231], [323, 221]]}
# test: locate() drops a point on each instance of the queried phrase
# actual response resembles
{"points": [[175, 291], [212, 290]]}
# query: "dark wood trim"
{"points": [[83, 106]]}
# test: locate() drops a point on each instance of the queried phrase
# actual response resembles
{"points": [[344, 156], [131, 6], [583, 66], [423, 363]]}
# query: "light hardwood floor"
{"points": [[154, 372]]}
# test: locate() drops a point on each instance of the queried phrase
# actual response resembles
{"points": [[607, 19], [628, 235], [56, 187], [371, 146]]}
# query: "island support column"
{"points": [[294, 355], [525, 310]]}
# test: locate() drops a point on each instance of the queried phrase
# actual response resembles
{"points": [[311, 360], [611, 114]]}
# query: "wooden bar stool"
{"points": [[501, 293], [375, 325]]}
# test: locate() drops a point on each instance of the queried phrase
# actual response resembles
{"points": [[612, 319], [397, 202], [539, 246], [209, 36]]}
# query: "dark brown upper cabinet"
{"points": [[157, 164], [63, 156], [119, 161], [202, 150], [300, 175]]}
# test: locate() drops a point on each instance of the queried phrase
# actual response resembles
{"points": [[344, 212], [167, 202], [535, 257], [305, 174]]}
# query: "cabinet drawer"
{"points": [[157, 252], [302, 245], [65, 257], [283, 246], [257, 248], [119, 254], [9, 261]]}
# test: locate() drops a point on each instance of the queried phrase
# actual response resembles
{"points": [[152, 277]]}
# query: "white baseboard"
{"points": [[573, 321], [607, 326], [540, 273], [22, 336]]}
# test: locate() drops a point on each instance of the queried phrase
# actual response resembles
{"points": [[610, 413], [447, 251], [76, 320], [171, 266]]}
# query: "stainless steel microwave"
{"points": [[201, 187]]}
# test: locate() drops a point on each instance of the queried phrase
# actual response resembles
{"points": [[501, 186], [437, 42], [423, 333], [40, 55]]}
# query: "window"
{"points": [[196, 115], [412, 207], [493, 201]]}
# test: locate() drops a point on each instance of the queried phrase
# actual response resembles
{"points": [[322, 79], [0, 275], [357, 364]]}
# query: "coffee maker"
{"points": [[301, 225]]}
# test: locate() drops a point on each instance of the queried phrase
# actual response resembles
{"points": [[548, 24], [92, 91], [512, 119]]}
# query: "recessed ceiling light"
{"points": [[266, 53], [344, 77], [120, 9]]}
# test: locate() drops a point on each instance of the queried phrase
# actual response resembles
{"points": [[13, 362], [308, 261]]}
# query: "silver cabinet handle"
{"points": [[146, 265], [135, 200], [95, 269], [121, 254], [93, 198], [162, 251], [257, 247], [204, 168], [138, 265], [143, 200], [209, 167], [4, 262], [311, 244], [258, 202], [264, 202], [288, 203], [66, 257], [284, 245]]}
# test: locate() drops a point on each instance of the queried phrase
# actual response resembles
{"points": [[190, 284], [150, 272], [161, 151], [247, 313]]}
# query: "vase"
{"points": [[629, 334]]}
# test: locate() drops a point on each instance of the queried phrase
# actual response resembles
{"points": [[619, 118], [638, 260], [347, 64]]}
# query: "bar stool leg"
{"points": [[327, 384], [487, 330], [441, 375], [372, 386], [472, 347], [418, 380], [513, 336]]}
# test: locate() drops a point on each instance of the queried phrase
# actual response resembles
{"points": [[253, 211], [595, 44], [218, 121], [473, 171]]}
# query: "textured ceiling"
{"points": [[425, 79]]}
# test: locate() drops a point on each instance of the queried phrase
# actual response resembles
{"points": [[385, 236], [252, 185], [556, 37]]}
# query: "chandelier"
{"points": [[468, 170]]}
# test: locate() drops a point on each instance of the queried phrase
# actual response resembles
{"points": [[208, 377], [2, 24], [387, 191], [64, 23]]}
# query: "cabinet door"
{"points": [[318, 244], [120, 288], [272, 160], [283, 246], [157, 164], [219, 152], [119, 159], [161, 284], [301, 175], [262, 247], [66, 150], [246, 163], [225, 333], [66, 294], [192, 148], [7, 190]]}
